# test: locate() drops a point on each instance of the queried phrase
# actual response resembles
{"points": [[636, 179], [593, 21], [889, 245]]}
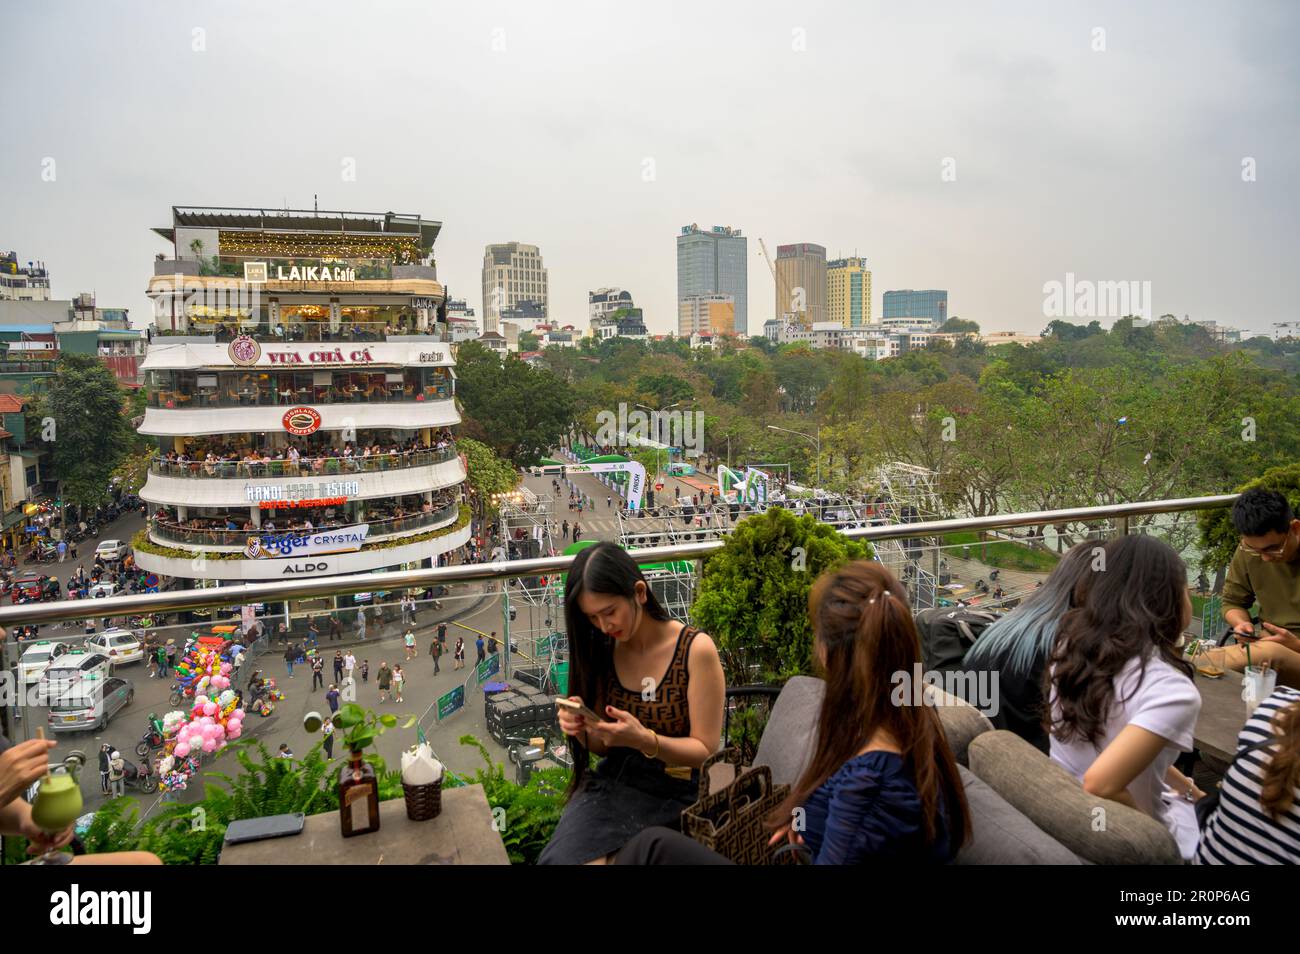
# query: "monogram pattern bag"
{"points": [[731, 819]]}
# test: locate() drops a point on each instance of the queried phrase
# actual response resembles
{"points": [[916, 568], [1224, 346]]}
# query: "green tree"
{"points": [[519, 411], [1219, 538], [132, 472], [487, 474], [753, 593], [90, 433], [956, 326]]}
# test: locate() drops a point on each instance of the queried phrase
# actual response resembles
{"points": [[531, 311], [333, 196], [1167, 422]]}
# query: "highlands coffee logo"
{"points": [[77, 907]]}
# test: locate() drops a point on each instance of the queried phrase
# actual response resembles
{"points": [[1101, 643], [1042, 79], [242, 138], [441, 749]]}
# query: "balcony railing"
{"points": [[303, 467], [174, 533], [290, 331], [270, 397], [228, 596]]}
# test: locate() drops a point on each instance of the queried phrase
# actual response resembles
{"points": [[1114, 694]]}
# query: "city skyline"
{"points": [[1055, 167]]}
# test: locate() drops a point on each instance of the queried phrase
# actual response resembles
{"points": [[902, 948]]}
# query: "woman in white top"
{"points": [[1123, 704]]}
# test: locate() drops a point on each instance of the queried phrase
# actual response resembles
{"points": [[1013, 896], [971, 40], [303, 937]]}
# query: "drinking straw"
{"points": [[40, 734]]}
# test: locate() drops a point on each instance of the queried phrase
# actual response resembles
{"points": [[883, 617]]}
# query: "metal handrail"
{"points": [[512, 569]]}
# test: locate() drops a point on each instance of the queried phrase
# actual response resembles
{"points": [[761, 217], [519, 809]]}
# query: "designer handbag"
{"points": [[731, 819]]}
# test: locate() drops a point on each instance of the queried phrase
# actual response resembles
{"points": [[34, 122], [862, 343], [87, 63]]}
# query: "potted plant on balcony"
{"points": [[359, 778]]}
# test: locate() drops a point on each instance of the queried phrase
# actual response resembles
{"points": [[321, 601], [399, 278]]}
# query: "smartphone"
{"points": [[256, 829], [579, 708]]}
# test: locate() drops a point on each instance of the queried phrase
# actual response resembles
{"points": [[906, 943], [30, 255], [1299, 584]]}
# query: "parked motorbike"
{"points": [[140, 777]]}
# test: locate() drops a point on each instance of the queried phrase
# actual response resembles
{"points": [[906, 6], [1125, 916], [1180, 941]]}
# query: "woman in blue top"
{"points": [[882, 784]]}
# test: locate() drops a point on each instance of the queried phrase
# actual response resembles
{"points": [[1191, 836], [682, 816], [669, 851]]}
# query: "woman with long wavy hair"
{"points": [[882, 785], [657, 688], [1122, 701]]}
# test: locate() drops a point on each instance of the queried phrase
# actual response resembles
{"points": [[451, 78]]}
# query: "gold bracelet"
{"points": [[656, 752]]}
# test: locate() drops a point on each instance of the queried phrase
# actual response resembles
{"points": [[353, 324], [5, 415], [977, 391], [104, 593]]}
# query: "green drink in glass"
{"points": [[55, 809]]}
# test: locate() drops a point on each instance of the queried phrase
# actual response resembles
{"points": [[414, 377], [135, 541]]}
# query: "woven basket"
{"points": [[423, 801]]}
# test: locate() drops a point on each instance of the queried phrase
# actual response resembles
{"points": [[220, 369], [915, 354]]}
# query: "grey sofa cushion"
{"points": [[962, 722], [1096, 829], [791, 731], [1001, 835]]}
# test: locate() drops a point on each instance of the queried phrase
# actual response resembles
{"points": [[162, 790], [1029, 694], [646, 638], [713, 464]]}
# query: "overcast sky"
{"points": [[596, 130]]}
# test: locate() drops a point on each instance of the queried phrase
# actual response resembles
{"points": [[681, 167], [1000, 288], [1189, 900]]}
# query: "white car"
{"points": [[102, 589], [110, 550], [36, 658], [119, 645], [74, 665]]}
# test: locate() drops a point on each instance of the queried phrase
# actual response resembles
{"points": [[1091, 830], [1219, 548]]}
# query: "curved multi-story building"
{"points": [[303, 413]]}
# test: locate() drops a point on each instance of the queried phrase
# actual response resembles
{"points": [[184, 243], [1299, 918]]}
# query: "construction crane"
{"points": [[782, 293]]}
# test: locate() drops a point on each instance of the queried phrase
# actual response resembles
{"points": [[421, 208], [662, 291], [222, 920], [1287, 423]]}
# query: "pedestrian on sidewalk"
{"points": [[336, 627], [385, 681], [478, 644], [459, 655], [332, 697], [409, 639], [117, 774], [338, 665], [442, 634], [105, 756], [399, 680], [313, 632], [171, 655], [609, 501], [365, 670], [161, 657], [564, 529], [435, 650], [577, 532], [327, 731], [492, 643], [290, 654], [152, 652], [361, 622], [317, 672]]}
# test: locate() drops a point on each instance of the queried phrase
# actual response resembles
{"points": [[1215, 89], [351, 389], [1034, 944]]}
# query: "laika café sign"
{"points": [[315, 273]]}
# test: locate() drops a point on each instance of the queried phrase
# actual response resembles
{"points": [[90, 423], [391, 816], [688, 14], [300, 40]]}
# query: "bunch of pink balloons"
{"points": [[209, 728]]}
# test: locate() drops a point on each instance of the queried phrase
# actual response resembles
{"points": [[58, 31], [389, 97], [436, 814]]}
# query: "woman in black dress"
{"points": [[658, 687]]}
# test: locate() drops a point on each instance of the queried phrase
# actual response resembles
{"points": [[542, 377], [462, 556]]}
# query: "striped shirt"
{"points": [[1240, 832]]}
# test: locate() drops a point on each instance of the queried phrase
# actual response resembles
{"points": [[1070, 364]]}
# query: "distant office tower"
{"points": [[923, 306], [801, 282], [714, 314], [848, 292], [714, 263], [512, 272]]}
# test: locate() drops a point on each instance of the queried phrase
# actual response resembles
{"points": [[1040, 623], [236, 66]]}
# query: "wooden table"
{"points": [[1223, 713], [462, 834]]}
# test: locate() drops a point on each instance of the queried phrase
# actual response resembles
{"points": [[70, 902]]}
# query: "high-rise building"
{"points": [[848, 292], [925, 308], [715, 314], [23, 284], [714, 263], [286, 339], [512, 272], [801, 282]]}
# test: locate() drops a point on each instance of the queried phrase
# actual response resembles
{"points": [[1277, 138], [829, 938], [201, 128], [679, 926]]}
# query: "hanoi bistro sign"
{"points": [[290, 493], [342, 540]]}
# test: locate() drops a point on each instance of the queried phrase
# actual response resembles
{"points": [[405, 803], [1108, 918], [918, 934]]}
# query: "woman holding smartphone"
{"points": [[882, 786], [1123, 704], [657, 688]]}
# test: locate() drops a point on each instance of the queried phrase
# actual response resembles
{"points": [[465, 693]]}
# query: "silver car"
{"points": [[89, 703]]}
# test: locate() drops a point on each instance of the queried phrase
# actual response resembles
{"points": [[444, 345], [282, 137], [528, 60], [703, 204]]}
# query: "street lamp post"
{"points": [[658, 423], [817, 439]]}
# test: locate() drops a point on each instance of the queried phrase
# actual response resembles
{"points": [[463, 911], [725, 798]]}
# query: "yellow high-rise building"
{"points": [[848, 292]]}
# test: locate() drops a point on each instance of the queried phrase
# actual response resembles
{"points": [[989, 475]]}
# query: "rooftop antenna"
{"points": [[315, 203]]}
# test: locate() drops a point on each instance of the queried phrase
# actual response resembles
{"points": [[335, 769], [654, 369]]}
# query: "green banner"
{"points": [[487, 668], [451, 703]]}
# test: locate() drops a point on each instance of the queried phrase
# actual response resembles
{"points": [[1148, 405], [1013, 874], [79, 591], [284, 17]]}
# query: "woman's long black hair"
{"points": [[1129, 607], [605, 568]]}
